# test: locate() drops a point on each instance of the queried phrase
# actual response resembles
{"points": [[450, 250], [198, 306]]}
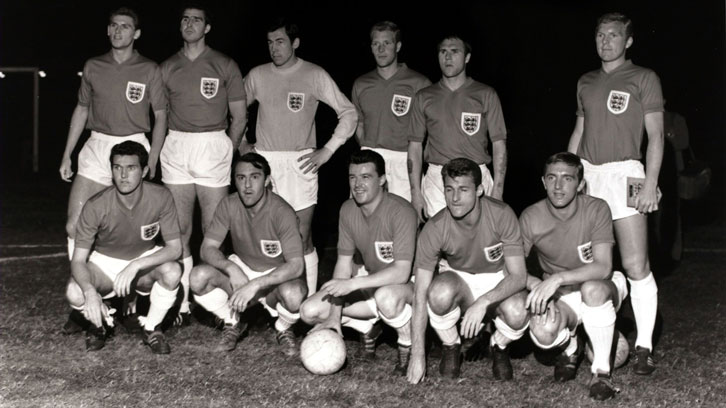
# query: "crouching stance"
{"points": [[267, 261], [482, 272], [381, 227], [122, 224], [573, 236]]}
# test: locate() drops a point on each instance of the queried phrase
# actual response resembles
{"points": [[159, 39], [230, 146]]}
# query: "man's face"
{"points": [[122, 32], [127, 173], [385, 48], [611, 42], [452, 57], [461, 195], [251, 183], [561, 183], [193, 25], [365, 183], [282, 50]]}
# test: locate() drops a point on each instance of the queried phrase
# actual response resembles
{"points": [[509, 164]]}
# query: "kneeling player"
{"points": [[122, 223], [267, 262], [381, 227], [573, 236], [484, 272]]}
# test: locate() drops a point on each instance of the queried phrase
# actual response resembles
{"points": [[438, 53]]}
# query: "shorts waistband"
{"points": [[179, 133], [285, 154], [385, 152], [111, 138], [608, 167]]}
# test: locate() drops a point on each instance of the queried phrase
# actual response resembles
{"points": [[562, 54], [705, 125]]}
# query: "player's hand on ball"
{"points": [[416, 369], [122, 284]]}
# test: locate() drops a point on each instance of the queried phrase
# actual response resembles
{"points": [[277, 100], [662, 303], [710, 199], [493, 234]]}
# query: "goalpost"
{"points": [[36, 105]]}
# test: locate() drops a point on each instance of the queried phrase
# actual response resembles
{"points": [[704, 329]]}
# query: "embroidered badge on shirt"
{"points": [[295, 101], [618, 102], [584, 251], [400, 104], [148, 232], [208, 87], [384, 251], [470, 122], [135, 91], [270, 248], [494, 253]]}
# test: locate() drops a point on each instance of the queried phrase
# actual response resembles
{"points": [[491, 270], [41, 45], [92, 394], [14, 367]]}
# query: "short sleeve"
{"points": [[220, 225], [168, 218], [417, 126], [234, 82], [85, 92], [158, 95], [428, 247], [495, 118]]}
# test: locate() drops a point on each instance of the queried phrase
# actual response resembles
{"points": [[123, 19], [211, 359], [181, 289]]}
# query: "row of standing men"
{"points": [[395, 112]]}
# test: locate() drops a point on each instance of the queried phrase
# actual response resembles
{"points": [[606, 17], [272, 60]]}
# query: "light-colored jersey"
{"points": [[116, 231], [288, 99], [457, 122], [267, 240], [563, 245], [200, 91], [118, 96], [384, 107], [481, 249], [387, 235], [613, 105]]}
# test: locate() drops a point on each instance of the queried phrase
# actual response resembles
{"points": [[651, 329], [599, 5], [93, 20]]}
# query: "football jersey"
{"points": [[384, 107], [480, 249], [563, 245], [118, 96], [200, 91], [457, 122], [288, 99], [116, 231], [387, 235], [264, 241], [613, 105]]}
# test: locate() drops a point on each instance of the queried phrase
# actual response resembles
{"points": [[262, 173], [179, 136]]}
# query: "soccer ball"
{"points": [[323, 352], [621, 352]]}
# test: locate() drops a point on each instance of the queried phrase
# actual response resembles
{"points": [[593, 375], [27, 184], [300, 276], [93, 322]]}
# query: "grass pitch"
{"points": [[40, 367]]}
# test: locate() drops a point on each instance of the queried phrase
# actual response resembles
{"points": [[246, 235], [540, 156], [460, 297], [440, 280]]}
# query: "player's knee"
{"points": [[198, 278], [293, 293], [544, 333], [636, 266], [74, 294], [595, 293], [170, 274], [311, 311], [441, 295], [513, 311], [388, 301]]}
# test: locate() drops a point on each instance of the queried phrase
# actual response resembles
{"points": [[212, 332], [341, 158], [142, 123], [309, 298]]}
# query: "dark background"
{"points": [[532, 53]]}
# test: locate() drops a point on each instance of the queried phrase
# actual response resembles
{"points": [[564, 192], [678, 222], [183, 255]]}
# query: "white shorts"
{"points": [[252, 275], [288, 181], [574, 299], [396, 171], [478, 283], [609, 182], [111, 267], [368, 298], [432, 188], [203, 158], [94, 159]]}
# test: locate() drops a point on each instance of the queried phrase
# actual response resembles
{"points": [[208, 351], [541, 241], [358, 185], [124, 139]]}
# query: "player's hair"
{"points": [[130, 148], [125, 11], [369, 156], [569, 159], [196, 5], [387, 26], [454, 36], [462, 167], [291, 28], [616, 18], [256, 160]]}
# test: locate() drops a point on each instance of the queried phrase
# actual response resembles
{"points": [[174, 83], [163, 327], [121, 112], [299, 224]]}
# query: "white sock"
{"points": [[285, 318], [445, 326], [311, 271], [188, 265], [359, 325], [216, 302], [160, 301], [505, 334], [71, 247], [599, 323], [402, 324], [644, 298]]}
